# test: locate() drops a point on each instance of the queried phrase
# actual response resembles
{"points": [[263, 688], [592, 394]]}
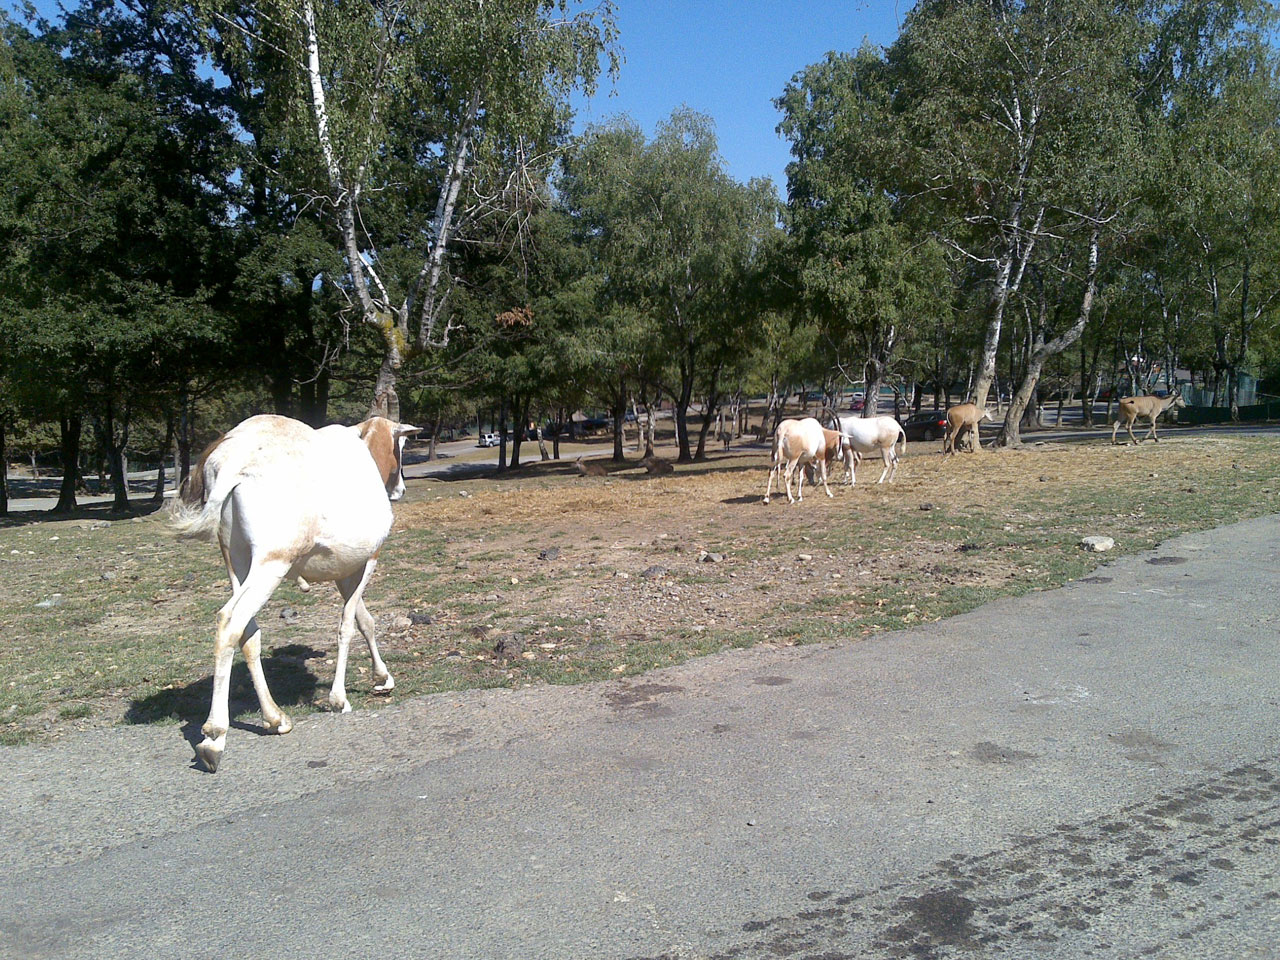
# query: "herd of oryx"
{"points": [[286, 501], [808, 445]]}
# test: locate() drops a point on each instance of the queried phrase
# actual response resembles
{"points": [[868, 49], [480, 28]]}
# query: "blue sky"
{"points": [[729, 61], [725, 59]]}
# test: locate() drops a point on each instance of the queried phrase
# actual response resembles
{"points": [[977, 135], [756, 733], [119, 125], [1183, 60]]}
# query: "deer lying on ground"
{"points": [[798, 443], [656, 466], [286, 501], [962, 420], [1131, 408], [864, 436], [591, 469]]}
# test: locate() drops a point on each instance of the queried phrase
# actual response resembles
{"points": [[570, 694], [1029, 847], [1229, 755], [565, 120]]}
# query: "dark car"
{"points": [[926, 425]]}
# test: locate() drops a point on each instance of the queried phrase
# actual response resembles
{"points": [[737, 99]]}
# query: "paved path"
{"points": [[1091, 771]]}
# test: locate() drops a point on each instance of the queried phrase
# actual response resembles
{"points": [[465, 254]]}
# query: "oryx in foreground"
{"points": [[286, 501]]}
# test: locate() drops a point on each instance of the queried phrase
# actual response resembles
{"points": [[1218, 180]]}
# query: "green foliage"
{"points": [[678, 241]]}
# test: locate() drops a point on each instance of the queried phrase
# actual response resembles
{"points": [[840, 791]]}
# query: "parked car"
{"points": [[489, 440], [926, 425]]}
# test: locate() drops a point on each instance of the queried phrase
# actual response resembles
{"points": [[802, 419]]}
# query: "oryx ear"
{"points": [[407, 430]]}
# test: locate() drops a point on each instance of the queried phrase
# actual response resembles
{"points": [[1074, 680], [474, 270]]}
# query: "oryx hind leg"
{"points": [[233, 624]]}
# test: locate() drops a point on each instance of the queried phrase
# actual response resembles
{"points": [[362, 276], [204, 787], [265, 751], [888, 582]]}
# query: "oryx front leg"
{"points": [[352, 590], [822, 465]]}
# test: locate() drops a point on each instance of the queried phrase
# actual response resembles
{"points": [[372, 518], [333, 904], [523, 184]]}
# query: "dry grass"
{"points": [[948, 535]]}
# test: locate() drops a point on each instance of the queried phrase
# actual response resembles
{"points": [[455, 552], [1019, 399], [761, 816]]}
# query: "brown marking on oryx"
{"points": [[387, 450], [835, 451], [1131, 408], [192, 491], [963, 420]]}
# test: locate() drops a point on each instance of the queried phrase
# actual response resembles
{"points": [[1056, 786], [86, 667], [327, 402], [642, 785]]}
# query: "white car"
{"points": [[489, 440]]}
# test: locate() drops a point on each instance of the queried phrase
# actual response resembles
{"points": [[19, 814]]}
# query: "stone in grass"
{"points": [[53, 601], [1098, 544], [421, 619], [290, 616], [654, 572], [705, 557], [550, 553]]}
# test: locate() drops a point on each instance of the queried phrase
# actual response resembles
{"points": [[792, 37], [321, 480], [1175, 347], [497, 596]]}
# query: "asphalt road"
{"points": [[1086, 772]]}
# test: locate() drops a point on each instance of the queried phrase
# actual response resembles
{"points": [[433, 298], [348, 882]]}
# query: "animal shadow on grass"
{"points": [[287, 675]]}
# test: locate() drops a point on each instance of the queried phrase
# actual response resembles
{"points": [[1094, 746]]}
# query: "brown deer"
{"points": [[591, 469], [963, 419], [1131, 408], [656, 466]]}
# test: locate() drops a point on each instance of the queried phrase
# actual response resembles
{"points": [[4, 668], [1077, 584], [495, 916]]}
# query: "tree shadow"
{"points": [[95, 512], [630, 469], [287, 675]]}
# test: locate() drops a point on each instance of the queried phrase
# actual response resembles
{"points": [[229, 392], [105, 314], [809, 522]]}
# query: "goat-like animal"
{"points": [[962, 421], [656, 466], [863, 436], [589, 468], [286, 501], [796, 443], [1131, 408]]}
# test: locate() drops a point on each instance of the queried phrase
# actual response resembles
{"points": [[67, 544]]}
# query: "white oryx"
{"points": [[863, 436], [286, 501], [797, 443]]}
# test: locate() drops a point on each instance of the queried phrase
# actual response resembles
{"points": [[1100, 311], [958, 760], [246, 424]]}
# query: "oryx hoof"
{"points": [[384, 685], [210, 753], [281, 726], [339, 704]]}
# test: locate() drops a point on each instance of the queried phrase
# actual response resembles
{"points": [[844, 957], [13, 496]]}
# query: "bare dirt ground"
{"points": [[544, 576]]}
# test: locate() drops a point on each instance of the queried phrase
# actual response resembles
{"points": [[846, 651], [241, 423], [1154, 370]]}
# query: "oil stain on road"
{"points": [[1133, 883]]}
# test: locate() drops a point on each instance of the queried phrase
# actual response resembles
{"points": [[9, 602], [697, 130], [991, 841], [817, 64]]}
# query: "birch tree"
{"points": [[984, 86], [421, 116]]}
